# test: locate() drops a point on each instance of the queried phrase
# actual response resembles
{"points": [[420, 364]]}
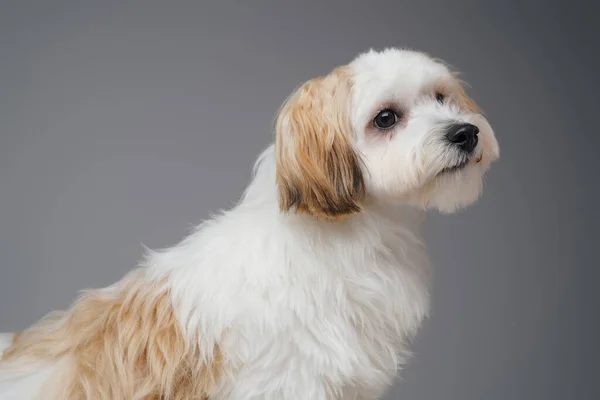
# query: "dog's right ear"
{"points": [[318, 171]]}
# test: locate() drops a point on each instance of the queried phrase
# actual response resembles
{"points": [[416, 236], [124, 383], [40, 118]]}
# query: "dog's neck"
{"points": [[258, 218]]}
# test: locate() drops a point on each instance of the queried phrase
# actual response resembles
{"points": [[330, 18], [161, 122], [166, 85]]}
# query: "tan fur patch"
{"points": [[465, 101], [318, 170], [124, 342]]}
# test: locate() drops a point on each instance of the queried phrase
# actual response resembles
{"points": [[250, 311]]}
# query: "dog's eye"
{"points": [[440, 97], [386, 119]]}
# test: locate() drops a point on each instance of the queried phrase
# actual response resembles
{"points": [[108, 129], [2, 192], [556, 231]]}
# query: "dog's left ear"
{"points": [[465, 101], [318, 170]]}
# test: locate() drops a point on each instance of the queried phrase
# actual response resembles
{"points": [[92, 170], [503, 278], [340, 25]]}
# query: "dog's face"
{"points": [[393, 125]]}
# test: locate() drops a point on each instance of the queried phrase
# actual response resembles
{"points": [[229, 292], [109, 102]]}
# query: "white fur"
{"points": [[403, 165], [5, 341], [305, 308]]}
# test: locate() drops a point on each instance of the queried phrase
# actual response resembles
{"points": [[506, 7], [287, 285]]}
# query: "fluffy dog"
{"points": [[313, 285]]}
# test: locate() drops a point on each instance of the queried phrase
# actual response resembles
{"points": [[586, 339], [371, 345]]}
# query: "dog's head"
{"points": [[393, 125]]}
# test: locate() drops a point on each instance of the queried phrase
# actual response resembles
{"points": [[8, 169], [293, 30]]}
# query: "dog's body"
{"points": [[310, 288]]}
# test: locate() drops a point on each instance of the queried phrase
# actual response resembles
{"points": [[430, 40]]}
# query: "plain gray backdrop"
{"points": [[124, 123]]}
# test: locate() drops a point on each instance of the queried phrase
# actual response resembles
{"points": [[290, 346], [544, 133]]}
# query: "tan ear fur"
{"points": [[318, 171], [465, 101]]}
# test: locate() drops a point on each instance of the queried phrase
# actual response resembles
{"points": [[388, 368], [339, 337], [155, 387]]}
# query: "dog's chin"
{"points": [[446, 189], [455, 187], [461, 164], [452, 169]]}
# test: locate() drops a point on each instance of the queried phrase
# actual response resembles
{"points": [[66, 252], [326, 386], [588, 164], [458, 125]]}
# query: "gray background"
{"points": [[125, 123]]}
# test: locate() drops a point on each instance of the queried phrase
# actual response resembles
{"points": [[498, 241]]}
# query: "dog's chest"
{"points": [[352, 324], [381, 309]]}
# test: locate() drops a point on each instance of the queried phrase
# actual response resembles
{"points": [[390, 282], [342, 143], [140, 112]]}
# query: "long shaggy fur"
{"points": [[312, 287], [318, 170], [122, 342]]}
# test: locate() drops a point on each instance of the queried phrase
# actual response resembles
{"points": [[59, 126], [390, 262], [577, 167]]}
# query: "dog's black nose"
{"points": [[464, 135]]}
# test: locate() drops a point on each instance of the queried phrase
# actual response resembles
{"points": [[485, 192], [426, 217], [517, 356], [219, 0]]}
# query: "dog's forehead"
{"points": [[393, 69]]}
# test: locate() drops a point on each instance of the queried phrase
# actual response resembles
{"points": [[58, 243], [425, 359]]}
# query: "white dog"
{"points": [[313, 285]]}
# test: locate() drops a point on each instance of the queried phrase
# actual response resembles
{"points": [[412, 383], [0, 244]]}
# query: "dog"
{"points": [[313, 285]]}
